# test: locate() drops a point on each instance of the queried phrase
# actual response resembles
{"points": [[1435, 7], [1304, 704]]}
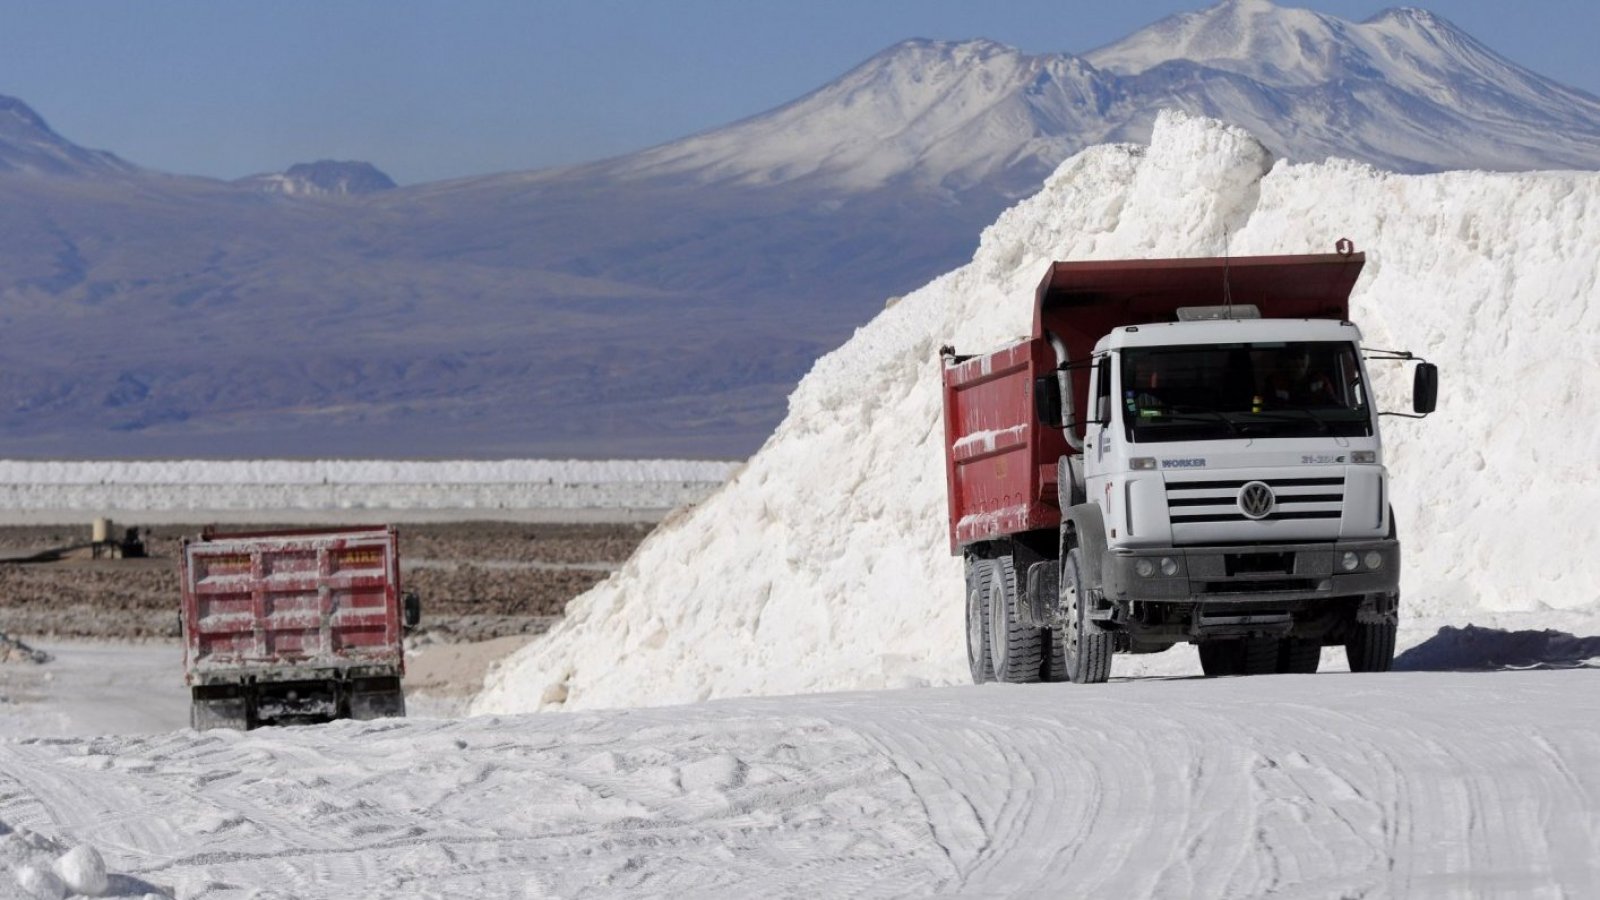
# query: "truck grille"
{"points": [[1190, 502]]}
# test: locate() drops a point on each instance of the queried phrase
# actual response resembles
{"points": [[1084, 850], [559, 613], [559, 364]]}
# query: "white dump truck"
{"points": [[1185, 450]]}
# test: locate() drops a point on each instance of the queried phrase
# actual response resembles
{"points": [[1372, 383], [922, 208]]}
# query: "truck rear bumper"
{"points": [[269, 674], [247, 703], [1245, 574]]}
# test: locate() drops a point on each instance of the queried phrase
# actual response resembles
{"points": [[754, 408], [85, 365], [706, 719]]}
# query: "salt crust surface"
{"points": [[824, 564]]}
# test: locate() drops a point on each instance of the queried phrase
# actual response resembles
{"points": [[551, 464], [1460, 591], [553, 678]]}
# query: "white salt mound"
{"points": [[39, 883], [83, 871], [35, 866], [824, 564], [200, 485]]}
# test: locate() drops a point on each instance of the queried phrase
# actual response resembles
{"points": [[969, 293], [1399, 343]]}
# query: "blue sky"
{"points": [[434, 90]]}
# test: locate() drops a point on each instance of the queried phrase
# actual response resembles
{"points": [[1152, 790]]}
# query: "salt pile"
{"points": [[340, 484], [35, 866], [823, 564]]}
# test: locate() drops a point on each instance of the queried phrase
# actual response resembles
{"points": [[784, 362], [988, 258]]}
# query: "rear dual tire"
{"points": [[1016, 650], [979, 574], [999, 646]]}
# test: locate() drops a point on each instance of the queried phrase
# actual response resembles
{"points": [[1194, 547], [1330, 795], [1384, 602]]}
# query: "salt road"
{"points": [[1400, 784]]}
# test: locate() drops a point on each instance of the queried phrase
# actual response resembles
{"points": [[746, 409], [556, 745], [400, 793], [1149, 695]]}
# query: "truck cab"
{"points": [[1187, 471]]}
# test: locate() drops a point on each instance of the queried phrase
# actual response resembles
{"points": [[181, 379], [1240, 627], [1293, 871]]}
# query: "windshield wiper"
{"points": [[1278, 416], [1178, 412]]}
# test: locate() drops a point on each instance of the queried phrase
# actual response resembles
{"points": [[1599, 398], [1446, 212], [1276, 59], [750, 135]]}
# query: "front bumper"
{"points": [[1277, 572]]}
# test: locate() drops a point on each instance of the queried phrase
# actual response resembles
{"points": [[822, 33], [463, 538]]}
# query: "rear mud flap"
{"points": [[377, 698], [225, 712]]}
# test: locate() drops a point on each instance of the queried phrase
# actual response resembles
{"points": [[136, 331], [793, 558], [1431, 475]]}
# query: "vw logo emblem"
{"points": [[1255, 500]]}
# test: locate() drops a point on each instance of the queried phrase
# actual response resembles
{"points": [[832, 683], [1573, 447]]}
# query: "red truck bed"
{"points": [[277, 604]]}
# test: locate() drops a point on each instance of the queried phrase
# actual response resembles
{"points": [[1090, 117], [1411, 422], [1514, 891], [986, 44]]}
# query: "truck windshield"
{"points": [[1208, 391]]}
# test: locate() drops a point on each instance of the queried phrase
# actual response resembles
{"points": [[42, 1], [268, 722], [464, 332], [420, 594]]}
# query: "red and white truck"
{"points": [[294, 626], [1184, 450]]}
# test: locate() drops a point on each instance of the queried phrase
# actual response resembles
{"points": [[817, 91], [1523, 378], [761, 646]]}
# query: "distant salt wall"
{"points": [[34, 491], [824, 563]]}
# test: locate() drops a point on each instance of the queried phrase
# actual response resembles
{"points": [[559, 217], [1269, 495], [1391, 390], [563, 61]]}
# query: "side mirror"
{"points": [[1047, 401], [1425, 389]]}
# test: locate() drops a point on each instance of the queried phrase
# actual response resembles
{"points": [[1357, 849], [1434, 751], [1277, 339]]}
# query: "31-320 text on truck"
{"points": [[1185, 450]]}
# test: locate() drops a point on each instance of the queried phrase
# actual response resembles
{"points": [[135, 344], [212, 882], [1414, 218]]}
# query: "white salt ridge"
{"points": [[824, 563], [356, 484], [359, 471]]}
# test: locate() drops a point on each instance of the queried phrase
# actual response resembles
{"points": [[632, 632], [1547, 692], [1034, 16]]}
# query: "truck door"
{"points": [[1099, 436], [1098, 432]]}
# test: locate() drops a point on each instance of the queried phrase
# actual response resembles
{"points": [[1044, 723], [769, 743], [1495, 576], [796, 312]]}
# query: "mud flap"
{"points": [[377, 698], [1379, 609], [219, 712], [1088, 525]]}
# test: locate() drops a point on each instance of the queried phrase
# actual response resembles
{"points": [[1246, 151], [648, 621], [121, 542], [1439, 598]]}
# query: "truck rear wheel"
{"points": [[1219, 658], [979, 575], [1239, 656], [1056, 659], [1297, 656], [1016, 650], [1086, 651], [1371, 646]]}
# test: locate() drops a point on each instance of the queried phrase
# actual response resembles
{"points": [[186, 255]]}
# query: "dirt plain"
{"points": [[479, 581]]}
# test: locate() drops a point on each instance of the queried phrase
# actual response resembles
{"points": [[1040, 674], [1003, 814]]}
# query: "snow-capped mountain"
{"points": [[28, 146], [922, 113], [664, 302], [326, 177], [1405, 90]]}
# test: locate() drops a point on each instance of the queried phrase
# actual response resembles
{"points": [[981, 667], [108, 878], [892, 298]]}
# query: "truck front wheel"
{"points": [[1371, 646], [1085, 649]]}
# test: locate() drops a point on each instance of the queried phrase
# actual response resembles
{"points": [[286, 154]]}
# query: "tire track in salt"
{"points": [[1353, 785]]}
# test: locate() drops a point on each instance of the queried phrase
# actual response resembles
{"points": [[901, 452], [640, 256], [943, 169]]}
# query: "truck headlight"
{"points": [[1169, 566], [1145, 568], [1142, 463], [1373, 559], [1349, 561], [1364, 456]]}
